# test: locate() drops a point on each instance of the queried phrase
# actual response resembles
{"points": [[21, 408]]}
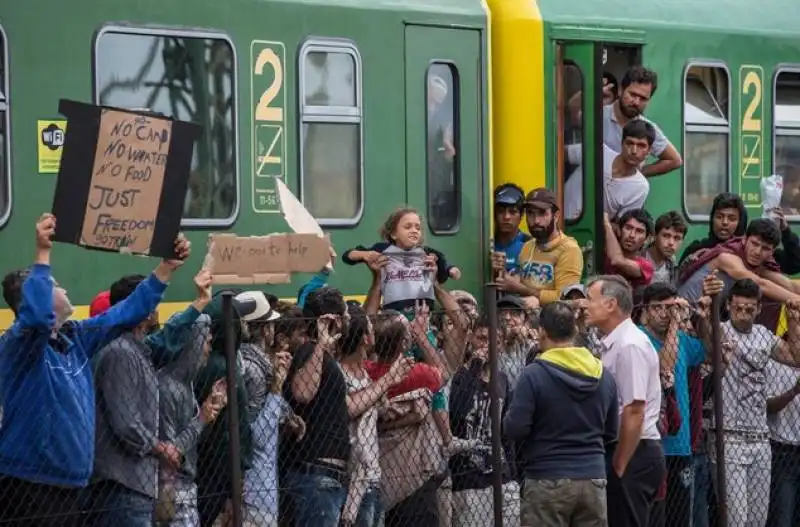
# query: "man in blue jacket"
{"points": [[46, 388], [563, 412]]}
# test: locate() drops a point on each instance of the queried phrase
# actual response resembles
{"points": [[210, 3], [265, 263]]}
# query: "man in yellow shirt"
{"points": [[550, 261]]}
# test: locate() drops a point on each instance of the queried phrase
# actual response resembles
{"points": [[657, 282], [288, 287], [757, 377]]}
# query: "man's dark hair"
{"points": [[765, 229], [122, 288], [291, 320], [612, 80], [658, 292], [12, 288], [671, 220], [272, 299], [727, 200], [640, 75], [640, 129], [745, 288], [323, 301], [640, 215], [557, 319]]}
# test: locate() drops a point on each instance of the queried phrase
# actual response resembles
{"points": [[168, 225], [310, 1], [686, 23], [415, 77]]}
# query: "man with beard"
{"points": [[624, 253], [550, 261], [638, 85], [670, 230]]}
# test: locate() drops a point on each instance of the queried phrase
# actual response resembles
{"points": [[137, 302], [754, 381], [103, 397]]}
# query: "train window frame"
{"points": [[317, 114], [788, 130], [193, 33], [456, 77], [688, 128], [5, 109], [574, 221]]}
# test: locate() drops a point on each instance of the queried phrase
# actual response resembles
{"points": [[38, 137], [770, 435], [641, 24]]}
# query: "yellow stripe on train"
{"points": [[165, 310]]}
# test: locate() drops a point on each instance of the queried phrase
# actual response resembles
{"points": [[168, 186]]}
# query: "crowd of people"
{"points": [[380, 413]]}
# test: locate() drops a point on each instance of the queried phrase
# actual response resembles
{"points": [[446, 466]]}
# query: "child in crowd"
{"points": [[404, 279]]}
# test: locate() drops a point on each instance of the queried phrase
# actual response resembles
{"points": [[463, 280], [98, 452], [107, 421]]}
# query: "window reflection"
{"points": [[787, 138], [330, 171], [706, 110], [5, 147], [444, 185], [573, 140], [189, 79]]}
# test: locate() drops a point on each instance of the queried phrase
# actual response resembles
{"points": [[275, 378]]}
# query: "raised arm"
{"points": [[95, 332], [733, 266]]}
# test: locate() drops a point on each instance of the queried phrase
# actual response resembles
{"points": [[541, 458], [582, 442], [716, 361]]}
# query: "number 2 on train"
{"points": [[752, 86], [265, 112]]}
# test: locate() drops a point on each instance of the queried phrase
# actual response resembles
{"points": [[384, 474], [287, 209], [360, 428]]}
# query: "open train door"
{"points": [[580, 66]]}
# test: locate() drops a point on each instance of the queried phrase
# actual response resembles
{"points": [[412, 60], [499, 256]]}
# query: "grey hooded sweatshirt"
{"points": [[179, 419]]}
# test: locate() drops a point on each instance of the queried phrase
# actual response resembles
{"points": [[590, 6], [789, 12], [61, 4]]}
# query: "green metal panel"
{"points": [[587, 229], [429, 50]]}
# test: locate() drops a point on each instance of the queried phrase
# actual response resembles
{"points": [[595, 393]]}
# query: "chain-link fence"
{"points": [[398, 418]]}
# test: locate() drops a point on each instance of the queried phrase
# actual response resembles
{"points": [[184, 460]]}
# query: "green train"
{"points": [[339, 100]]}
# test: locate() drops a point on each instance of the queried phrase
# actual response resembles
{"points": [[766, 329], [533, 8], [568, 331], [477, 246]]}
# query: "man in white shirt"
{"points": [[624, 186], [636, 461]]}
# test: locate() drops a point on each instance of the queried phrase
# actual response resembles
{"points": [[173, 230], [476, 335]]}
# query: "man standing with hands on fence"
{"points": [[636, 464]]}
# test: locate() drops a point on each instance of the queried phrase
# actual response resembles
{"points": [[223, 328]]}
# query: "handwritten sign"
{"points": [[123, 179], [265, 259], [126, 183]]}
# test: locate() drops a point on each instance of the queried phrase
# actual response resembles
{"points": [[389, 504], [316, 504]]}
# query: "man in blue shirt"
{"points": [[665, 316], [46, 388], [508, 239]]}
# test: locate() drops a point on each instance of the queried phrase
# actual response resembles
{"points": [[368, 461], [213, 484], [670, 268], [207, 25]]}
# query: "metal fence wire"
{"points": [[393, 418]]}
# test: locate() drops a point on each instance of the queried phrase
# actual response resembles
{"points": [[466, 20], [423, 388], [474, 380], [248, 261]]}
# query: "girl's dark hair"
{"points": [[357, 329], [291, 321], [390, 225], [390, 338]]}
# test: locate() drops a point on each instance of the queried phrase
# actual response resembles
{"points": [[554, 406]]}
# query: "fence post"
{"points": [[719, 440], [494, 405], [234, 448]]}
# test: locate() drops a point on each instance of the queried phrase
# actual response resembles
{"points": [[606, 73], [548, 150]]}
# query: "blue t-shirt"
{"points": [[512, 250], [691, 354]]}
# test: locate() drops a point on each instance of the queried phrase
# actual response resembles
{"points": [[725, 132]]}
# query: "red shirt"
{"points": [[420, 376], [645, 266]]}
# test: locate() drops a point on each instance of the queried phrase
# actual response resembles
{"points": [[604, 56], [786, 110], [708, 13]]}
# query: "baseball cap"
{"points": [[508, 195], [510, 302], [100, 304], [573, 288], [253, 306], [541, 198]]}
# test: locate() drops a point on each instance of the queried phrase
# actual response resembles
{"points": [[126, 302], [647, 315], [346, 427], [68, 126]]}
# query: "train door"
{"points": [[444, 165], [581, 72]]}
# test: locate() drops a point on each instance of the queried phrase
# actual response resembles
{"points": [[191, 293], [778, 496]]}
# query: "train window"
{"points": [[5, 144], [573, 142], [786, 160], [188, 75], [706, 137], [331, 171], [444, 185]]}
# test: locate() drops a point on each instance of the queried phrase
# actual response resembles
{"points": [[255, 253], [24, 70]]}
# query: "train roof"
{"points": [[771, 17]]}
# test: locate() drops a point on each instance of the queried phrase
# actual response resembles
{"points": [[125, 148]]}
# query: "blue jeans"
{"points": [[785, 499], [702, 487], [318, 497], [118, 506], [370, 512]]}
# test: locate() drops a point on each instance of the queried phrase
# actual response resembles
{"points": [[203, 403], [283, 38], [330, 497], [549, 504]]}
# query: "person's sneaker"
{"points": [[459, 446]]}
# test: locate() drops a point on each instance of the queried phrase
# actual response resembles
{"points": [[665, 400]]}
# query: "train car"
{"points": [[338, 99], [349, 103]]}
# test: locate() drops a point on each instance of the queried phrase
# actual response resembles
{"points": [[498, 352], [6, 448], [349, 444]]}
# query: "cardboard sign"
{"points": [[123, 179], [265, 259]]}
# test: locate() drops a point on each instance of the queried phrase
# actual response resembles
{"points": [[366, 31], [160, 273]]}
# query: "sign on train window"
{"points": [[5, 145], [706, 137], [189, 76], [786, 160], [444, 178], [331, 152]]}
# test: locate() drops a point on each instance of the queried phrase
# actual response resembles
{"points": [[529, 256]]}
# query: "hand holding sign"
{"points": [[183, 248], [45, 229]]}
